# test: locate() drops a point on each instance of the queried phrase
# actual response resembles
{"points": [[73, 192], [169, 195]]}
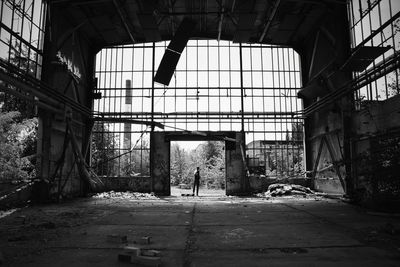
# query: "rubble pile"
{"points": [[275, 190], [125, 195]]}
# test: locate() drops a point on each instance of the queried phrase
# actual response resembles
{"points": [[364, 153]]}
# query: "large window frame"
{"points": [[217, 86]]}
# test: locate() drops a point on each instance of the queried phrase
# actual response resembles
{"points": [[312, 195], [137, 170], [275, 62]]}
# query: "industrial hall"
{"points": [[199, 133]]}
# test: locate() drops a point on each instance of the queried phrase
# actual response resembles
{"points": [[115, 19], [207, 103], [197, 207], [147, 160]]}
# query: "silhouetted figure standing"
{"points": [[196, 183]]}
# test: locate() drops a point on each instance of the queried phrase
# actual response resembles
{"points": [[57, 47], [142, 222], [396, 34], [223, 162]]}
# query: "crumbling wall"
{"points": [[326, 128], [67, 69], [236, 182]]}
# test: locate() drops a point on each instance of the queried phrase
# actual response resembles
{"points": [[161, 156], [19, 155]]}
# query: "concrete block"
{"points": [[151, 253], [135, 251], [117, 238]]}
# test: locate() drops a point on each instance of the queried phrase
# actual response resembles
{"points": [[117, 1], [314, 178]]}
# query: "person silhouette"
{"points": [[196, 183]]}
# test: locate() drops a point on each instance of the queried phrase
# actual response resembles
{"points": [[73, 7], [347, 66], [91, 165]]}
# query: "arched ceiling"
{"points": [[116, 22]]}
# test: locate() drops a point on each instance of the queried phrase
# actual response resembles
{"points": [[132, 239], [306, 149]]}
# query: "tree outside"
{"points": [[17, 142], [209, 156], [18, 124]]}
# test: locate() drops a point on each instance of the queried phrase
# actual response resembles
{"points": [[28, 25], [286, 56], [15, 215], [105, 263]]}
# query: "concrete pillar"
{"points": [[160, 163], [235, 171]]}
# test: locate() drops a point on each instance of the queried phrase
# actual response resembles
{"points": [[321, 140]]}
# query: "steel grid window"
{"points": [[205, 94], [21, 34], [376, 23]]}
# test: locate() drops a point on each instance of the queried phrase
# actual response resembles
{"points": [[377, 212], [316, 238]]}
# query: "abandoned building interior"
{"points": [[97, 95]]}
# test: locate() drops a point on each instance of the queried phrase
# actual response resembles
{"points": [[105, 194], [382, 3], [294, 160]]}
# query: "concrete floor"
{"points": [[209, 230]]}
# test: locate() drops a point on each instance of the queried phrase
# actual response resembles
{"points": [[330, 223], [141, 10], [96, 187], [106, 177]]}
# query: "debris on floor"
{"points": [[5, 213], [275, 190], [132, 254], [125, 195]]}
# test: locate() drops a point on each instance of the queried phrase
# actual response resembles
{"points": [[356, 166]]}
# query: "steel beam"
{"points": [[269, 21], [122, 16]]}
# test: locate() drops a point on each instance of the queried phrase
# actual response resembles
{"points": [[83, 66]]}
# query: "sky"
{"points": [[188, 145]]}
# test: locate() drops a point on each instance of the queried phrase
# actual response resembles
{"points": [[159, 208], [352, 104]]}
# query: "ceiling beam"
{"points": [[270, 19], [221, 20], [122, 16]]}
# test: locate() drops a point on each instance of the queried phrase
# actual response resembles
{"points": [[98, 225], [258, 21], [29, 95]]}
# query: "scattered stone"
{"points": [[151, 253], [132, 250], [125, 195]]}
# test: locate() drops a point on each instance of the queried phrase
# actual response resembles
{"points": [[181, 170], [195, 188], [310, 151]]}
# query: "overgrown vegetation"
{"points": [[18, 146], [18, 124]]}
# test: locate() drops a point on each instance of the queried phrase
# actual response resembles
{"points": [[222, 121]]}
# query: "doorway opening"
{"points": [[186, 156]]}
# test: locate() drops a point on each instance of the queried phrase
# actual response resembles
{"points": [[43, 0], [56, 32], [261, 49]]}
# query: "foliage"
{"points": [[103, 149], [136, 162], [179, 166], [17, 142], [210, 157]]}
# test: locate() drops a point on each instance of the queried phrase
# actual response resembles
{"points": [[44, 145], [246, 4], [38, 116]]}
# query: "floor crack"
{"points": [[190, 241]]}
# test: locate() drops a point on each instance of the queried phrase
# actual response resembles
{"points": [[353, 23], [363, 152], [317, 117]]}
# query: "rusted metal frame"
{"points": [[51, 96], [19, 38], [122, 16], [314, 173], [228, 13], [87, 142], [270, 19], [68, 34], [74, 84], [61, 160], [334, 162], [15, 77], [242, 92], [377, 31], [75, 90], [67, 177], [32, 99], [171, 4], [386, 67]]}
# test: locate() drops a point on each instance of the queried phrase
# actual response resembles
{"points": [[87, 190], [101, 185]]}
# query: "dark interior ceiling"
{"points": [[116, 22]]}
